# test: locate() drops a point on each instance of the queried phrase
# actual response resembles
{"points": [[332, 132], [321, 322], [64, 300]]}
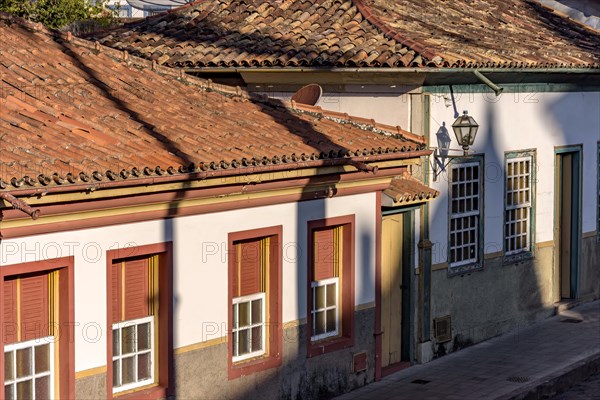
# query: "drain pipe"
{"points": [[497, 89], [19, 204]]}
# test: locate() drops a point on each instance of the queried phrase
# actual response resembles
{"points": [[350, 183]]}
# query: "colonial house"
{"points": [[164, 235], [514, 235], [142, 8]]}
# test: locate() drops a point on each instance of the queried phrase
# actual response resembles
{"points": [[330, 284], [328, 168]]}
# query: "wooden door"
{"points": [[568, 220], [566, 196], [391, 289]]}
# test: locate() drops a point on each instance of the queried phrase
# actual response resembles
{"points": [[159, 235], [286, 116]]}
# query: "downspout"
{"points": [[19, 204], [497, 89]]}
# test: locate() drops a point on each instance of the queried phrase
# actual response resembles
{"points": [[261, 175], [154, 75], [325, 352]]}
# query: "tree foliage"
{"points": [[57, 13]]}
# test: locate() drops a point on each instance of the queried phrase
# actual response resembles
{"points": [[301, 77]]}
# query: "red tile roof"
{"points": [[287, 33], [489, 33], [72, 111], [404, 190], [361, 33]]}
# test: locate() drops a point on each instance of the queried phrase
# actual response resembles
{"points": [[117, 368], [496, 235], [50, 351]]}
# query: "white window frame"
{"points": [[527, 206], [314, 285], [14, 347], [248, 299], [474, 261], [119, 327]]}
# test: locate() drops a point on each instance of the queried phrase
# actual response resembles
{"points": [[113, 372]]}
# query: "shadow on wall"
{"points": [[273, 380], [503, 295]]}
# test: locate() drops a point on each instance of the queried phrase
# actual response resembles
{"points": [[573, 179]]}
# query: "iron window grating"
{"points": [[465, 213], [442, 329], [518, 202]]}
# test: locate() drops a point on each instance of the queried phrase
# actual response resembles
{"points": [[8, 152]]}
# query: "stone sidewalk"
{"points": [[529, 363]]}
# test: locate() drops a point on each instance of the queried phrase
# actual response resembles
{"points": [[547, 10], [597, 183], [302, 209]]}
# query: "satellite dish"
{"points": [[309, 94]]}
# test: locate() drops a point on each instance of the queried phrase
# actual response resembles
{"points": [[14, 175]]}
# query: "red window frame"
{"points": [[66, 304], [346, 338], [274, 343], [163, 387]]}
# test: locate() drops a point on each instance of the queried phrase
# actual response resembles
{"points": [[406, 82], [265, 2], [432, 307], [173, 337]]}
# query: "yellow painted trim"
{"points": [[165, 206], [216, 181], [90, 372], [542, 245], [286, 325], [490, 256], [439, 267], [294, 323], [365, 306], [201, 345], [589, 234]]}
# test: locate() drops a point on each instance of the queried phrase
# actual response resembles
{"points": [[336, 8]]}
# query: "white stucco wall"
{"points": [[519, 121], [384, 103], [200, 265]]}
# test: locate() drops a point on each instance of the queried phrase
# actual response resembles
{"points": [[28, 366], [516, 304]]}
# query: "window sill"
{"points": [[464, 269], [329, 345], [518, 258], [151, 392], [252, 365]]}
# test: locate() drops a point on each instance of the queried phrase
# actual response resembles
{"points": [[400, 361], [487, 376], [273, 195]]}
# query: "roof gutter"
{"points": [[381, 70], [497, 89], [19, 204], [358, 162]]}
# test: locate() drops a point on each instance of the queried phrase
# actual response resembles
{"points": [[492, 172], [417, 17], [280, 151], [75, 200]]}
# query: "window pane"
{"points": [[331, 320], [257, 311], [331, 298], [116, 373], [256, 338], [144, 365], [42, 388], [143, 336], [116, 342], [9, 392], [128, 339], [42, 359], [235, 343], [25, 390], [319, 297], [244, 314], [235, 316], [8, 366], [23, 363], [244, 343], [320, 323], [128, 367]]}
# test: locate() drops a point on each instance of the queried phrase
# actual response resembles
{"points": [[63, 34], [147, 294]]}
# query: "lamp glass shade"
{"points": [[465, 128], [443, 140]]}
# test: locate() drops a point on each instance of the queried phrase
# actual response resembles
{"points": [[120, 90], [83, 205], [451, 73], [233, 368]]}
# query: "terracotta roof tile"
{"points": [[228, 33], [403, 190], [487, 33], [361, 33], [98, 117]]}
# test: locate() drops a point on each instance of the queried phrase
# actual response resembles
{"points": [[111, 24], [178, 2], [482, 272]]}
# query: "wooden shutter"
{"points": [[136, 289], [249, 267], [324, 254], [34, 307], [117, 293], [9, 314]]}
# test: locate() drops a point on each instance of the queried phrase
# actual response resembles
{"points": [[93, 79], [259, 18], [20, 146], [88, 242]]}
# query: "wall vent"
{"points": [[360, 361], [443, 329]]}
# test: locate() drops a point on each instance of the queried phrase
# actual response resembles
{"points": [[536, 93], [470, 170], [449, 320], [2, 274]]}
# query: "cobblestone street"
{"points": [[588, 390]]}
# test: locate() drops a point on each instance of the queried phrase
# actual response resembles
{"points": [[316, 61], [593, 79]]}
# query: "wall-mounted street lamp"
{"points": [[465, 128]]}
